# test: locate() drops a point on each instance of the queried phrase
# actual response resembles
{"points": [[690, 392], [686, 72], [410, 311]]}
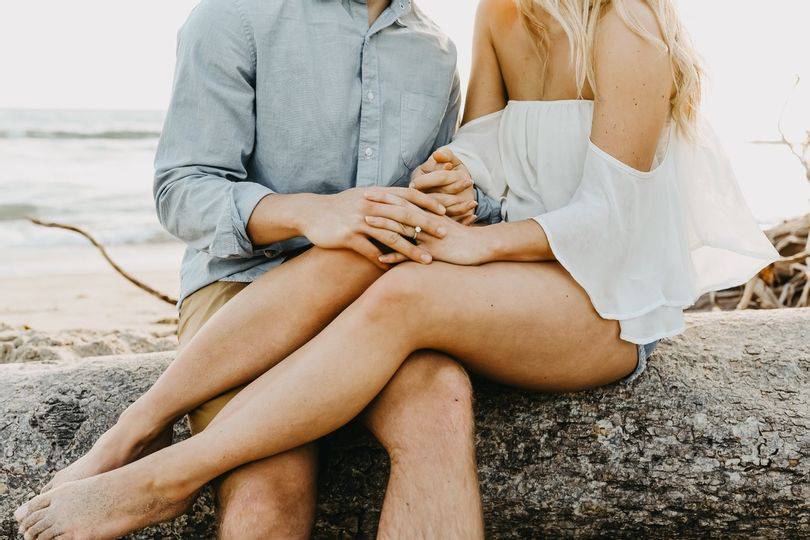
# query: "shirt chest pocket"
{"points": [[420, 119]]}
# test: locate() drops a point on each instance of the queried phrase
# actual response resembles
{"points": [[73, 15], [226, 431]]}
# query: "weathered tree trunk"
{"points": [[712, 441]]}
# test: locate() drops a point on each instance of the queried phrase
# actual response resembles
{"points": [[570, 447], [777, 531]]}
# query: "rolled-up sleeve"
{"points": [[488, 209], [202, 191]]}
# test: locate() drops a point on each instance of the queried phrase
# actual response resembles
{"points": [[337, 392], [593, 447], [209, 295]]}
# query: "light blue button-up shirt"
{"points": [[275, 96]]}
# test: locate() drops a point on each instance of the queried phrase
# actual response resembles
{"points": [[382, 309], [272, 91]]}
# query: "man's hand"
{"points": [[445, 178], [339, 221]]}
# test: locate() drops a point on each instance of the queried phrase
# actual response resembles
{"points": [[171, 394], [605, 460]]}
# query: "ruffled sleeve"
{"points": [[477, 145], [651, 243]]}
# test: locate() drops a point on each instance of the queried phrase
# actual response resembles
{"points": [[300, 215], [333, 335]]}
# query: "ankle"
{"points": [[140, 424], [168, 475], [173, 492]]}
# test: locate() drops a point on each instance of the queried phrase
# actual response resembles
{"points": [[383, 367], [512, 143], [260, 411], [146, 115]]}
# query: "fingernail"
{"points": [[411, 185], [426, 258], [469, 182], [382, 259], [442, 209], [441, 230], [369, 219]]}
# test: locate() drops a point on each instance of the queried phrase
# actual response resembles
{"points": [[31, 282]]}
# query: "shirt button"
{"points": [[369, 152], [370, 96]]}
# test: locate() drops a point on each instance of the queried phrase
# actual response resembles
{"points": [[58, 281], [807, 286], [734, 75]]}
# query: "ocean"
{"points": [[94, 169], [87, 168]]}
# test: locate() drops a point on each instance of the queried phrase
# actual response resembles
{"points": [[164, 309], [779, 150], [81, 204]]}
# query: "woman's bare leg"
{"points": [[257, 328], [525, 324]]}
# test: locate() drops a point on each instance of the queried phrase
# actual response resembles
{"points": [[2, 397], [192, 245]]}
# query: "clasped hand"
{"points": [[440, 202], [444, 178]]}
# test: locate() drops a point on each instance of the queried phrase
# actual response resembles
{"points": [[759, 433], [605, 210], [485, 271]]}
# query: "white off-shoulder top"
{"points": [[643, 245]]}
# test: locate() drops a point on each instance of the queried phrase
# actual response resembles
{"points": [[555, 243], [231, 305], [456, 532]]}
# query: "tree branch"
{"points": [[157, 294], [799, 150]]}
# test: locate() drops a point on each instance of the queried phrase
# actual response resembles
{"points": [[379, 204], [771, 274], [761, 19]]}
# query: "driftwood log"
{"points": [[712, 441], [783, 284]]}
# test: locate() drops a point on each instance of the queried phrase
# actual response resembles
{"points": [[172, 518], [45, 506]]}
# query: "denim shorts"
{"points": [[644, 352]]}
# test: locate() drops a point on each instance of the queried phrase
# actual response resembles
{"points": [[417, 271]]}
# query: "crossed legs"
{"points": [[523, 324], [423, 418], [270, 498], [247, 330]]}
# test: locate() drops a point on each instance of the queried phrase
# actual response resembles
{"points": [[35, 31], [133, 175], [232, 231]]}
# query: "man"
{"points": [[284, 113]]}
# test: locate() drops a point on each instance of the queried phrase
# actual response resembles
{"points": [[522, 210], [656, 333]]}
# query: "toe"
{"points": [[31, 519], [48, 534], [21, 512], [37, 503], [36, 531]]}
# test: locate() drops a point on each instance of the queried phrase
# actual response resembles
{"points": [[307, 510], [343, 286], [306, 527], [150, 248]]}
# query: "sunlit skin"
{"points": [[275, 497], [411, 422], [493, 298]]}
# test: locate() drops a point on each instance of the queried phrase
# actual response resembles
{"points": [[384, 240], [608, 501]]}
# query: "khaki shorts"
{"points": [[194, 312]]}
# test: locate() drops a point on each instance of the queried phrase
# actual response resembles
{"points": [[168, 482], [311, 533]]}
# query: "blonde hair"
{"points": [[579, 20]]}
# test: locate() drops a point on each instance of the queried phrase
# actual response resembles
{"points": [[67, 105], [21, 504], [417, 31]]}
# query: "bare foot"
{"points": [[118, 446], [100, 507]]}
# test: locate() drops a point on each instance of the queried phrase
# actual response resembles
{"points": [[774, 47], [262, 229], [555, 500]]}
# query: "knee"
{"points": [[426, 408], [258, 506], [399, 289]]}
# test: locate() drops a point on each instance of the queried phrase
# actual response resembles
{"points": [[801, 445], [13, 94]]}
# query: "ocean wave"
{"points": [[67, 135], [21, 233], [13, 211]]}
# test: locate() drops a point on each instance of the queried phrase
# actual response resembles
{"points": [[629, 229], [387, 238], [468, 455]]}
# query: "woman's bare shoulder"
{"points": [[636, 26], [630, 44], [499, 14]]}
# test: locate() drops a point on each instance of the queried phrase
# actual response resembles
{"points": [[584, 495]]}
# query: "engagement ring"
{"points": [[416, 232]]}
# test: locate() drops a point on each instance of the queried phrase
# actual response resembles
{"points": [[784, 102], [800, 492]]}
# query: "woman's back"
{"points": [[642, 212], [521, 65], [509, 66]]}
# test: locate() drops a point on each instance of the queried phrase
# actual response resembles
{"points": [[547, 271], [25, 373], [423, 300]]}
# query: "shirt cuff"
{"points": [[246, 196], [488, 209]]}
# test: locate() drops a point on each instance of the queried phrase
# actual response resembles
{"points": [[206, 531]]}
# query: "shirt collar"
{"points": [[399, 8]]}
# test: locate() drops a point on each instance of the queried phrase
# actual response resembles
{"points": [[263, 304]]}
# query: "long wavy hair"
{"points": [[579, 20]]}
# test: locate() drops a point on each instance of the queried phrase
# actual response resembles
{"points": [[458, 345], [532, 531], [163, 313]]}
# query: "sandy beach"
{"points": [[64, 302]]}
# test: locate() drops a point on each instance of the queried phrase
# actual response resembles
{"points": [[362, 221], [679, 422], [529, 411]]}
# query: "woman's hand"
{"points": [[445, 178], [517, 241], [462, 245]]}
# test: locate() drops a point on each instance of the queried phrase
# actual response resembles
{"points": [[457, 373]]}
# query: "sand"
{"points": [[66, 302]]}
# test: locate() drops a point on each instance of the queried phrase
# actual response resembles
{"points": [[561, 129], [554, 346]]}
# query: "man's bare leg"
{"points": [[424, 419], [270, 499]]}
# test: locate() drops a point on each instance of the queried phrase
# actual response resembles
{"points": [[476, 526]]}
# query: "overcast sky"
{"points": [[119, 54]]}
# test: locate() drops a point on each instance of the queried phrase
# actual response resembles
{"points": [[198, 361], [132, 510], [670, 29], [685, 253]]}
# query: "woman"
{"points": [[582, 116]]}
